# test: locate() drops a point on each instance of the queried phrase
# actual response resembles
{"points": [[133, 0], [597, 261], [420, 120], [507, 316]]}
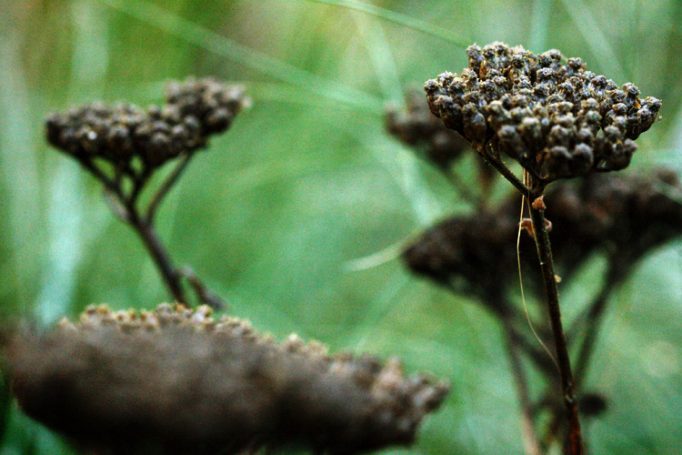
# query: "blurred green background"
{"points": [[297, 214]]}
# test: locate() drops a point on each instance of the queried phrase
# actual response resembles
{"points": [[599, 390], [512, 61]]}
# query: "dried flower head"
{"points": [[194, 110], [624, 217], [177, 381], [418, 127], [558, 120]]}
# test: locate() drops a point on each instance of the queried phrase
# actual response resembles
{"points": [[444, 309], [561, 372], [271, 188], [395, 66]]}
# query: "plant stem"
{"points": [[530, 439], [594, 317], [495, 162], [202, 292], [161, 258], [465, 193], [592, 320], [166, 187], [125, 207], [544, 251]]}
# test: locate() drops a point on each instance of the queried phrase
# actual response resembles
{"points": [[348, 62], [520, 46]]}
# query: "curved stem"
{"points": [[156, 249], [592, 320], [108, 183], [544, 251], [124, 206], [202, 292], [595, 315], [139, 182], [495, 162], [530, 439], [165, 188]]}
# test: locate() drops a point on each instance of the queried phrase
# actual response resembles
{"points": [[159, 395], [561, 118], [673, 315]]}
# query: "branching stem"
{"points": [[544, 251], [530, 439], [125, 207], [595, 315], [499, 165], [166, 187], [592, 320], [160, 255]]}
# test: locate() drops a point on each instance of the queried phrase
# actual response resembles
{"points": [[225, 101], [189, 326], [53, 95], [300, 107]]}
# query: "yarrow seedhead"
{"points": [[622, 217], [181, 381], [558, 120], [194, 110], [416, 126]]}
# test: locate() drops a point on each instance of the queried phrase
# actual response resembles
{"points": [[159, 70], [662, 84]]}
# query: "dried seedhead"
{"points": [[176, 380], [122, 146], [558, 120], [194, 110], [622, 217], [419, 128]]}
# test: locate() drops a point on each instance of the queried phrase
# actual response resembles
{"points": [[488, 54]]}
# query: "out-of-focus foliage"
{"points": [[296, 216]]}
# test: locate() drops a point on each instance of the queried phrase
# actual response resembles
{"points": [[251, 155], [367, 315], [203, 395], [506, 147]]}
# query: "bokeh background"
{"points": [[298, 213]]}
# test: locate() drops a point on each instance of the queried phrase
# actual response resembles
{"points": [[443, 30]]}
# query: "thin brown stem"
{"points": [[139, 182], [157, 251], [513, 320], [595, 316], [165, 187], [116, 206], [464, 191], [202, 292], [497, 163], [108, 183], [124, 206], [544, 251], [592, 322], [530, 439]]}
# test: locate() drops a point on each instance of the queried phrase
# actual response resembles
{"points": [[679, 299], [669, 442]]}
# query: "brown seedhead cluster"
{"points": [[558, 120], [194, 110], [417, 127], [620, 217], [179, 380], [176, 380]]}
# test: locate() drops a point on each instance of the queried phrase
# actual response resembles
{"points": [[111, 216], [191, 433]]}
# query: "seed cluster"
{"points": [[419, 128], [558, 120], [180, 381], [194, 110], [623, 217]]}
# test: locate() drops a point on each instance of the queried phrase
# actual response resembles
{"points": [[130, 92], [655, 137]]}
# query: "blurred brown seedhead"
{"points": [[416, 126], [123, 146], [558, 120], [177, 380], [194, 110], [620, 217]]}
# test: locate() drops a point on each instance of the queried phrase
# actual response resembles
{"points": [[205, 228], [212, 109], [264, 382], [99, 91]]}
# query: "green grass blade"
{"points": [[595, 39], [65, 212], [381, 57], [21, 204], [539, 25], [398, 19], [220, 45]]}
